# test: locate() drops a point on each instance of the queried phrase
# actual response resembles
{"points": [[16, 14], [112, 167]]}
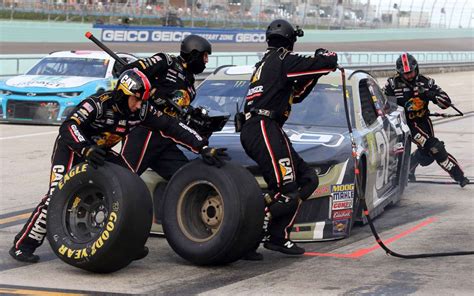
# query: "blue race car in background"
{"points": [[50, 90]]}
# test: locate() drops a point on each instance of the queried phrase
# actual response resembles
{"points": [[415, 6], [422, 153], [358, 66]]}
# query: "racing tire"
{"points": [[212, 216], [99, 219]]}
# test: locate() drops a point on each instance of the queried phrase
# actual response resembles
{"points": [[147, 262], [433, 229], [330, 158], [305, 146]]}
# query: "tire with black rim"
{"points": [[99, 219], [212, 216]]}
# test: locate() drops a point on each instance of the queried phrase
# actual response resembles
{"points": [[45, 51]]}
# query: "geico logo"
{"points": [[72, 173], [343, 187], [99, 243], [112, 35], [249, 37], [168, 36]]}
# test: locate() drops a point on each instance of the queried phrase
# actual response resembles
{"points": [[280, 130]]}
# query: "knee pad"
{"points": [[285, 204], [309, 183], [436, 149], [423, 157]]}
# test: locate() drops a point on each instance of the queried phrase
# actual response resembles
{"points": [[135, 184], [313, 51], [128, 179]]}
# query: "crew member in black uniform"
{"points": [[281, 79], [172, 78], [94, 127], [413, 92]]}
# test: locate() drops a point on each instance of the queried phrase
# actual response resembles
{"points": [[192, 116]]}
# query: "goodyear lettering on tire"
{"points": [[95, 246]]}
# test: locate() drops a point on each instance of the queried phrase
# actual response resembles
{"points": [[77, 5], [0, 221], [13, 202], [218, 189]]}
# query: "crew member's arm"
{"points": [[304, 71], [302, 67], [151, 66], [437, 95], [71, 130]]}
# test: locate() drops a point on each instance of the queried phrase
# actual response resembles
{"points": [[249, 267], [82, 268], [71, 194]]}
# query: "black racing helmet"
{"points": [[282, 29], [192, 51], [131, 82], [406, 63], [195, 43]]}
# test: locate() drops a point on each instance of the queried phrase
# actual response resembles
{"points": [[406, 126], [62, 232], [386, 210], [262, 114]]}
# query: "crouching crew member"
{"points": [[95, 126], [413, 92]]}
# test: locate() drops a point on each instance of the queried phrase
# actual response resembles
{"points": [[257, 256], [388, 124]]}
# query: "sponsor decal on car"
{"points": [[342, 192], [340, 226], [341, 214], [340, 205], [321, 191]]}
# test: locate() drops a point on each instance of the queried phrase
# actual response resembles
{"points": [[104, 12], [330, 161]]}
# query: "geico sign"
{"points": [[122, 35], [248, 37], [169, 36]]}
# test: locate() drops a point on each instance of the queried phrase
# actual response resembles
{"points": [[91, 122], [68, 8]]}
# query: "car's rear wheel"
{"points": [[212, 216]]}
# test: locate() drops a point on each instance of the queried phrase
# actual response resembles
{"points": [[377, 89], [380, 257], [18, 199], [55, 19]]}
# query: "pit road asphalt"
{"points": [[429, 218]]}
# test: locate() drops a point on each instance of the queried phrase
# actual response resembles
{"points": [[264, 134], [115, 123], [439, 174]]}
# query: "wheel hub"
{"points": [[211, 212]]}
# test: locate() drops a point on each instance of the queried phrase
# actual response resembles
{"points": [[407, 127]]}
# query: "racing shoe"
{"points": [[142, 254], [23, 256], [284, 246], [464, 182]]}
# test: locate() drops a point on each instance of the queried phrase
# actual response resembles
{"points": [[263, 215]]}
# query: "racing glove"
{"points": [[329, 55], [214, 156], [428, 95], [94, 155], [320, 51]]}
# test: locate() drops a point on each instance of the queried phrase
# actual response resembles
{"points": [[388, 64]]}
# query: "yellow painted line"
{"points": [[6, 291], [14, 218]]}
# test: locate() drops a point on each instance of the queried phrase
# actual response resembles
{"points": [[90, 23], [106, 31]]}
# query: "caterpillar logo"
{"points": [[72, 173], [96, 245], [127, 84]]}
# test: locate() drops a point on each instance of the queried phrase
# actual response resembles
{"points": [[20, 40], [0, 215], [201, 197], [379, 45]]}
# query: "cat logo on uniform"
{"points": [[286, 170]]}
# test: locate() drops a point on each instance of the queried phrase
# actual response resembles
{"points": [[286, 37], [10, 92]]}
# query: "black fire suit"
{"points": [[414, 96], [144, 148], [97, 120], [280, 79]]}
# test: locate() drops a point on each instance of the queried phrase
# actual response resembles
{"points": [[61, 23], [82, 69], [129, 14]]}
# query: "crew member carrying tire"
{"points": [[413, 92], [280, 79], [95, 126], [173, 78]]}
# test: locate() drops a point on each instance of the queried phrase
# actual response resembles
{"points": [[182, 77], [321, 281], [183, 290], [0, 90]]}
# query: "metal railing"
{"points": [[11, 65]]}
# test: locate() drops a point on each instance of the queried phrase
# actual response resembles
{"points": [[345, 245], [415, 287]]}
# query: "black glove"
{"points": [[429, 95], [214, 156], [94, 155], [320, 51], [330, 55]]}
